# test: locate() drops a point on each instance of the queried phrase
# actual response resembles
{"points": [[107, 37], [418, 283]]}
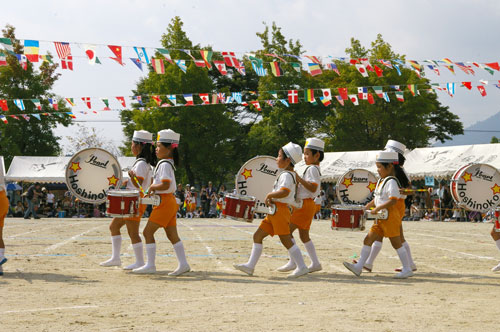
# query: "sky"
{"points": [[460, 30]]}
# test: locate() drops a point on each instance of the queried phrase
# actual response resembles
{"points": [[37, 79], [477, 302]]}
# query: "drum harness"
{"points": [[384, 182], [294, 182], [158, 165]]}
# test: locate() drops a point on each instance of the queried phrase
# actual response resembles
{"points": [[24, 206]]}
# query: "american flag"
{"points": [[62, 49]]}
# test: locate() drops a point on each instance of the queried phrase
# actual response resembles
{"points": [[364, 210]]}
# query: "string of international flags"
{"points": [[203, 58], [285, 97]]}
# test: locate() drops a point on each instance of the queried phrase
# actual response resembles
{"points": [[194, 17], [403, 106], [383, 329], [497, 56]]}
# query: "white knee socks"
{"points": [[151, 252], [180, 254], [116, 242], [311, 251], [403, 257], [296, 255], [363, 256], [408, 252], [497, 242], [255, 255], [376, 247], [139, 254], [2, 252]]}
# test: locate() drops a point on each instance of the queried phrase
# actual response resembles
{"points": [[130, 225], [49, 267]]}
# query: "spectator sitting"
{"points": [[213, 206], [19, 210], [415, 211]]}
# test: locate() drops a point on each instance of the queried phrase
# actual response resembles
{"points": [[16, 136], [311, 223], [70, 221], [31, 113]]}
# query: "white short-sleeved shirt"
{"points": [[311, 174], [164, 171], [285, 180], [383, 193], [142, 170]]}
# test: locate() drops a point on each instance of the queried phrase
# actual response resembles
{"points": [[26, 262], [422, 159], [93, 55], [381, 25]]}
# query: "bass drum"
{"points": [[476, 187], [256, 178], [90, 173], [356, 187]]}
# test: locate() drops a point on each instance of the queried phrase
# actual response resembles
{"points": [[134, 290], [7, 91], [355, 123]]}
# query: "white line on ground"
{"points": [[50, 309], [57, 245]]}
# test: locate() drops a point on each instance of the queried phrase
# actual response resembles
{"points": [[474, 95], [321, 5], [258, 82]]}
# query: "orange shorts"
{"points": [[4, 207], [389, 227], [165, 214], [279, 222], [401, 207], [318, 208], [303, 217]]}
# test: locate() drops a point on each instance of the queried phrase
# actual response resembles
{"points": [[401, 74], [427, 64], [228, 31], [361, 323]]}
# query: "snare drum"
{"points": [[476, 187], [356, 187], [122, 203], [238, 207], [348, 217]]}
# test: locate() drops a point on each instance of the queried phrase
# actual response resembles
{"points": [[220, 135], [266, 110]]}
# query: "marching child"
{"points": [[164, 215], [400, 149], [387, 193], [142, 148], [283, 194], [496, 237], [4, 208], [308, 188]]}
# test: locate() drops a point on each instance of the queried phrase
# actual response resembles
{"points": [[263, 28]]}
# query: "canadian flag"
{"points": [[354, 99], [86, 100], [362, 70], [221, 66], [482, 90], [67, 63], [293, 96], [122, 101], [205, 98]]}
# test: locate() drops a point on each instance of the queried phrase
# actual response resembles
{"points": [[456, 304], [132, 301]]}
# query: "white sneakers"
{"points": [[314, 268], [496, 268], [413, 268], [404, 274], [133, 266], [111, 262], [145, 269], [298, 272], [244, 268], [180, 270], [290, 266], [351, 267]]}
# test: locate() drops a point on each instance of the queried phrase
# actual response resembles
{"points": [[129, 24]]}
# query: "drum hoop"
{"points": [[337, 185], [123, 193], [348, 207], [67, 173]]}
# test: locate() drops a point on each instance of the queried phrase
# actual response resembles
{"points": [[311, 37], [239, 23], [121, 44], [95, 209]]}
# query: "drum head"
{"points": [[256, 178], [356, 187], [476, 187], [90, 173], [123, 192]]}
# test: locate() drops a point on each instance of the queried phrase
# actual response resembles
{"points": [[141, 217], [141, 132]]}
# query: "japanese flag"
{"points": [[354, 99], [90, 52], [327, 94]]}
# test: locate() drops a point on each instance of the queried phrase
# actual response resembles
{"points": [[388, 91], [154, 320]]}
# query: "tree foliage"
{"points": [[34, 137]]}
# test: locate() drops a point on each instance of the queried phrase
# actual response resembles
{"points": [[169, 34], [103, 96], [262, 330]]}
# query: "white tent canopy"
{"points": [[48, 169], [439, 162]]}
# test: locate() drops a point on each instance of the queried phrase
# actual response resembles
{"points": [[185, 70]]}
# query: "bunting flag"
{"points": [[200, 63], [106, 103], [274, 94], [450, 68], [157, 99], [117, 51], [343, 93], [241, 69], [314, 59], [378, 91], [31, 49], [158, 66], [482, 90], [3, 118], [205, 98], [37, 116], [25, 117], [207, 57], [370, 99], [327, 93], [276, 56], [188, 52], [3, 105], [386, 63], [237, 97], [189, 99], [468, 85], [340, 99], [23, 61], [466, 69], [87, 102], [20, 104], [378, 71], [122, 101], [182, 65], [386, 97], [451, 88], [166, 54], [363, 93], [230, 59], [3, 59], [221, 97], [137, 62], [142, 54], [90, 52], [7, 44], [400, 96], [276, 69], [14, 116], [333, 67], [284, 102], [325, 101], [139, 99], [258, 66], [397, 69], [293, 96], [256, 104], [37, 103], [413, 89], [354, 99], [309, 95], [415, 65], [493, 65], [67, 63], [314, 69], [361, 69], [71, 115], [62, 49], [221, 66], [297, 66], [70, 101], [215, 99], [172, 99]]}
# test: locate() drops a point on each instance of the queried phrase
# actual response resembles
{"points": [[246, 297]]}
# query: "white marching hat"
{"points": [[142, 136], [293, 151], [390, 157], [395, 146], [314, 144], [168, 136]]}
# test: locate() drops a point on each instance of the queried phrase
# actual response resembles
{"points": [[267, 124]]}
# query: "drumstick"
{"points": [[139, 184], [415, 190]]}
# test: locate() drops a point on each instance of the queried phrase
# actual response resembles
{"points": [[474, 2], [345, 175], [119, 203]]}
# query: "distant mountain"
{"points": [[475, 137]]}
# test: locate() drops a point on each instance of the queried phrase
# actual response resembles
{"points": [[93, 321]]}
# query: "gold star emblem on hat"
{"points": [[496, 189], [112, 180], [75, 167], [247, 173], [371, 186], [347, 182], [467, 177]]}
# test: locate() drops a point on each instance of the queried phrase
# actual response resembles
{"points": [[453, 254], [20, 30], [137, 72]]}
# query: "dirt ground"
{"points": [[53, 281]]}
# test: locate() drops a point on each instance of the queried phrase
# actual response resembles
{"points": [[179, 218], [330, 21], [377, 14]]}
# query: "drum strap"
{"points": [[384, 181], [162, 162], [319, 171]]}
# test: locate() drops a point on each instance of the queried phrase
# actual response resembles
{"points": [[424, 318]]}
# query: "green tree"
{"points": [[416, 122], [34, 137], [494, 139]]}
